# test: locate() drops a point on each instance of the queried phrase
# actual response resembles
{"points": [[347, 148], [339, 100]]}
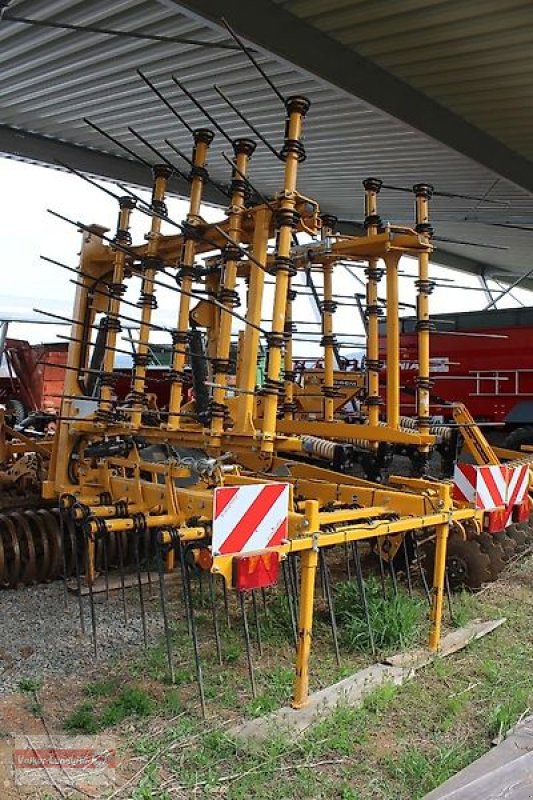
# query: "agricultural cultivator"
{"points": [[236, 484]]}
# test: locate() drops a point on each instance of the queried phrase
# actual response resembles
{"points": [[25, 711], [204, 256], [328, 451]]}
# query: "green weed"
{"points": [[83, 720], [29, 685], [132, 701], [396, 620]]}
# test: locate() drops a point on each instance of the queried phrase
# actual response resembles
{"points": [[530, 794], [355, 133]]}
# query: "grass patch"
{"points": [[397, 620], [29, 685], [132, 701]]}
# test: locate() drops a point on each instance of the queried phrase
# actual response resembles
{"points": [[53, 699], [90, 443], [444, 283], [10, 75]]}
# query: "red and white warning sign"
{"points": [[485, 486], [250, 518], [517, 484]]}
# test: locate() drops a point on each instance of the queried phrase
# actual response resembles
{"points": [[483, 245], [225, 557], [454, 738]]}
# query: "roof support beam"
{"points": [[43, 150], [276, 30]]}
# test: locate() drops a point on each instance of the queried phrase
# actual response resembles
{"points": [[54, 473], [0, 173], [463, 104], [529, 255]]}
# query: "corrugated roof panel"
{"points": [[464, 54], [72, 75]]}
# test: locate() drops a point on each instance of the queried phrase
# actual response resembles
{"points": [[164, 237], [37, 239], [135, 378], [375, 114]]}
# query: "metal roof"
{"points": [[387, 80]]}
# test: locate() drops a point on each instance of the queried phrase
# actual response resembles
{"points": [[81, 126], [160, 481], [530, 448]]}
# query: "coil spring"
{"points": [[32, 549]]}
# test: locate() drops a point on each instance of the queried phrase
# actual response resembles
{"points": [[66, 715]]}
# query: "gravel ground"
{"points": [[40, 638]]}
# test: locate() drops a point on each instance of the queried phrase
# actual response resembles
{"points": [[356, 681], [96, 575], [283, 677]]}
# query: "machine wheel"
{"points": [[518, 437]]}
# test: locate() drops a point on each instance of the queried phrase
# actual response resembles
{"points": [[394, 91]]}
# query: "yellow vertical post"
{"points": [[373, 310], [250, 351], [286, 219], [308, 566], [438, 585], [202, 139], [76, 361], [231, 254], [328, 342], [393, 341], [116, 290], [423, 193], [147, 301], [289, 377]]}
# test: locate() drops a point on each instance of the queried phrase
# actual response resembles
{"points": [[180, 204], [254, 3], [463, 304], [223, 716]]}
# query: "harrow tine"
{"points": [[201, 589], [226, 604], [382, 572], [196, 648], [393, 577], [264, 600], [347, 559], [183, 567], [407, 567], [293, 575], [136, 535], [362, 594], [246, 631], [257, 623], [449, 595], [120, 545], [419, 561], [91, 596], [163, 602], [288, 592], [106, 565], [329, 599], [74, 539], [148, 563], [212, 598], [63, 555]]}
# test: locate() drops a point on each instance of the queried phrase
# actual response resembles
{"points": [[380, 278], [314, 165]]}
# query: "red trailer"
{"points": [[483, 359]]}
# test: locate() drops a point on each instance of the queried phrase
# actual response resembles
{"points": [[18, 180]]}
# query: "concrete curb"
{"points": [[351, 690]]}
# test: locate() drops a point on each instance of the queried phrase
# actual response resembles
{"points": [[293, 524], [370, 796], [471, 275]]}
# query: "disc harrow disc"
{"points": [[495, 553]]}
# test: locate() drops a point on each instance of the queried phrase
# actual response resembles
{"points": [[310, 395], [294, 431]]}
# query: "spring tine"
{"points": [[194, 636], [91, 598], [163, 601], [63, 555], [293, 573], [449, 595], [74, 539], [362, 594], [201, 589], [347, 559], [120, 544], [148, 564], [382, 572], [105, 544], [226, 604], [422, 571], [407, 566], [136, 535], [288, 592], [392, 573], [264, 601], [248, 644], [327, 586], [257, 623], [183, 568], [216, 631]]}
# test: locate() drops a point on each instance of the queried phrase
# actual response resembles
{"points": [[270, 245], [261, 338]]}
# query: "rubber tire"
{"points": [[518, 437]]}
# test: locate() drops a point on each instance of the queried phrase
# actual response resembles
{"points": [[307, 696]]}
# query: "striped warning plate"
{"points": [[249, 518], [485, 486]]}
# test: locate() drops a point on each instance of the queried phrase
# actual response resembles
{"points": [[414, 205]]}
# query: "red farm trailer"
{"points": [[483, 359]]}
